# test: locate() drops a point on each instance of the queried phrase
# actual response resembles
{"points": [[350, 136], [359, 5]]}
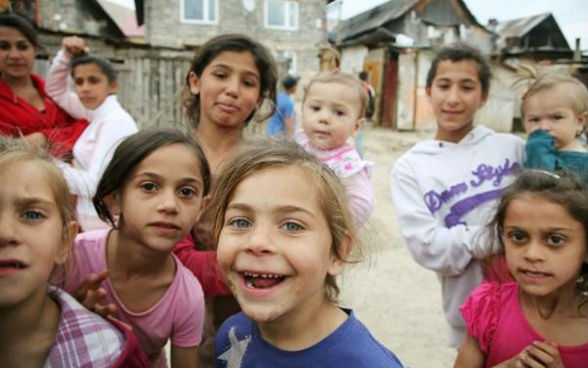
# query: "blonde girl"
{"points": [[41, 325], [280, 248]]}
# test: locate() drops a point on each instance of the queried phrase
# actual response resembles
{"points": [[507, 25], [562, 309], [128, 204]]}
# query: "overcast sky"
{"points": [[571, 15]]}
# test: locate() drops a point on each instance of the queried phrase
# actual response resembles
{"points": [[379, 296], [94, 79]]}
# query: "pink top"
{"points": [[178, 315], [495, 319], [354, 172]]}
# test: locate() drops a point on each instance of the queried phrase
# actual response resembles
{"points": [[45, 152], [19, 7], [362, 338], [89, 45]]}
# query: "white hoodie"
{"points": [[445, 194]]}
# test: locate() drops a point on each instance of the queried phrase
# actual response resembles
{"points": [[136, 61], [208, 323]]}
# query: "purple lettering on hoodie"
{"points": [[486, 172], [467, 204], [435, 200]]}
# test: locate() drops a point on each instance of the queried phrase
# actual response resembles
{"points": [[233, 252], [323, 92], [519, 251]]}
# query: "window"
{"points": [[289, 57], [199, 11], [281, 14]]}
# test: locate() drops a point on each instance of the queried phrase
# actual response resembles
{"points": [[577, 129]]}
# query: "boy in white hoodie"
{"points": [[445, 189], [95, 84]]}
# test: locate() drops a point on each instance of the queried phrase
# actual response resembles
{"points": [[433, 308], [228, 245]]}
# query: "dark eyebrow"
{"points": [[227, 67], [149, 174]]}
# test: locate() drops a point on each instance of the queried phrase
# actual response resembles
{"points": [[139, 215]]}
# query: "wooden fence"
{"points": [[150, 79]]}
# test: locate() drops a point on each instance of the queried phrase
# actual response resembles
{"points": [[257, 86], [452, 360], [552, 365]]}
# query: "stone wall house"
{"points": [[293, 30]]}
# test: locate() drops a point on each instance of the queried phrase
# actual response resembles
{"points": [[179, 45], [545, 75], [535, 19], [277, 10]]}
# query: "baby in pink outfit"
{"points": [[333, 109]]}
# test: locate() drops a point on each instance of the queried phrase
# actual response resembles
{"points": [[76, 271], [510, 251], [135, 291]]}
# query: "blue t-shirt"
{"points": [[239, 345], [541, 154], [284, 109]]}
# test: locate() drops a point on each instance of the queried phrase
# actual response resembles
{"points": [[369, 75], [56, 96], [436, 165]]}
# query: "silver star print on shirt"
{"points": [[234, 356]]}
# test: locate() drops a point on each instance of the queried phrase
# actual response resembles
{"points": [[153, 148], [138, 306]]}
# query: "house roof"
{"points": [[539, 24], [124, 18], [520, 26], [371, 21]]}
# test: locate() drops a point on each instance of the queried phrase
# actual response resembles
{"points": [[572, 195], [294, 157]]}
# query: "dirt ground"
{"points": [[398, 300]]}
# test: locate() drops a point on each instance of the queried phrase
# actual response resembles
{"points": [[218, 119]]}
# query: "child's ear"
{"points": [[483, 100], [112, 202], [338, 263], [70, 230], [113, 86], [206, 200], [428, 93], [582, 120], [357, 126], [194, 83]]}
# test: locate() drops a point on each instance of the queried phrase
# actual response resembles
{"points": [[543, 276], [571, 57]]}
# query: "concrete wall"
{"points": [[165, 27]]}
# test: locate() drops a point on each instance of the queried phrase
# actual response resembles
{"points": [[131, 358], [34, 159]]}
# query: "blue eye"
{"points": [[292, 226], [240, 223], [32, 215]]}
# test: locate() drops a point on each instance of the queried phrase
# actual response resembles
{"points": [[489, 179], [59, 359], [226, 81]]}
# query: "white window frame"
{"points": [[206, 12], [287, 14]]}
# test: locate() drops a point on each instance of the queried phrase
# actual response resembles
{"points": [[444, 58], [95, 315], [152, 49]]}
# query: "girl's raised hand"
{"points": [[74, 45], [543, 354], [89, 294]]}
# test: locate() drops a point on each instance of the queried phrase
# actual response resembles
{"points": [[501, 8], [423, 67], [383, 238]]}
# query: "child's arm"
{"points": [[184, 357], [470, 355], [360, 194], [432, 245], [82, 181], [56, 84]]}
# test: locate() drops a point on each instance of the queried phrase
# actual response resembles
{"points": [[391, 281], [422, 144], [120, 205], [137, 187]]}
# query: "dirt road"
{"points": [[398, 300]]}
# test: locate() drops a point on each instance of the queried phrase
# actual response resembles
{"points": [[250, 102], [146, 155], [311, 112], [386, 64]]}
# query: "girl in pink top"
{"points": [[151, 193], [539, 320]]}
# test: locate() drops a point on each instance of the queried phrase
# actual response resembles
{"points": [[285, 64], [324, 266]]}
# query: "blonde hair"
{"points": [[18, 151], [341, 78], [274, 153], [576, 91]]}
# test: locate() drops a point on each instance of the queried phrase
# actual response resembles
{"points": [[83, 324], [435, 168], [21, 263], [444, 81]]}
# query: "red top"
{"points": [[20, 118], [202, 263]]}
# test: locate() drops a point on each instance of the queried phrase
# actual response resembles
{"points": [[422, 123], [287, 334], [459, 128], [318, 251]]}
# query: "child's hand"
{"points": [[89, 293], [74, 45], [543, 354], [538, 355]]}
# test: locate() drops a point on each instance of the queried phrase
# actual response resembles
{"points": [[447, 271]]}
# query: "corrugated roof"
{"points": [[373, 18], [519, 27]]}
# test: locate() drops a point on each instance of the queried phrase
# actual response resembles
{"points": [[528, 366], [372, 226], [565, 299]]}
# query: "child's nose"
{"points": [[534, 252], [169, 203], [260, 241], [453, 95], [7, 234], [232, 87], [545, 125]]}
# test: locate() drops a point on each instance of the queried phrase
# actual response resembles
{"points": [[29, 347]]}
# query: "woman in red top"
{"points": [[25, 110]]}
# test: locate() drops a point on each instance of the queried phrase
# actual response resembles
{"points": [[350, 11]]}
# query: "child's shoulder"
{"points": [[483, 307], [83, 336], [94, 237], [357, 347]]}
